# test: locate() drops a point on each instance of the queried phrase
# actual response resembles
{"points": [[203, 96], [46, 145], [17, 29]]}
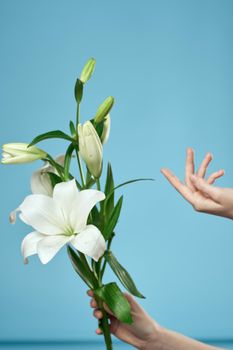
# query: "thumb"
{"points": [[204, 187]]}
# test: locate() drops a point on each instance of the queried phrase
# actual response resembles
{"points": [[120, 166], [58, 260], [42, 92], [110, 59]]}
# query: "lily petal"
{"points": [[81, 208], [48, 247], [29, 244], [65, 194], [41, 183], [90, 242], [42, 213]]}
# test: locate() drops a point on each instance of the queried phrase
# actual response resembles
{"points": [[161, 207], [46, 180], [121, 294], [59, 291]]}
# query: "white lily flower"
{"points": [[15, 153], [40, 180], [40, 183], [60, 220], [106, 129], [90, 148]]}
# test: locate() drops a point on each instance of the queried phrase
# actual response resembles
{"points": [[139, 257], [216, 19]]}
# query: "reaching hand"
{"points": [[199, 191], [143, 331]]}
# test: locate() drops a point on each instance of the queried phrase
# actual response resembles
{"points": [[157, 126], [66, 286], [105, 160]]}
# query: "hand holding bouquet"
{"points": [[65, 211]]}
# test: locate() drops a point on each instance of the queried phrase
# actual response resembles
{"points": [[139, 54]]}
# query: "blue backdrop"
{"points": [[169, 65]]}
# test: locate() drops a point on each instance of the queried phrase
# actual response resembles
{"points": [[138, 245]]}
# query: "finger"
{"points": [[93, 303], [90, 293], [189, 168], [215, 176], [204, 187], [114, 324], [204, 165], [98, 314], [177, 184], [98, 331]]}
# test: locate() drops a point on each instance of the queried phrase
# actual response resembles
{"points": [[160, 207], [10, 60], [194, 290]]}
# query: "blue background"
{"points": [[169, 65]]}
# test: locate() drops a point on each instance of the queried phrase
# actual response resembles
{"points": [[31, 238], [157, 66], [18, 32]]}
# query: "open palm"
{"points": [[200, 192]]}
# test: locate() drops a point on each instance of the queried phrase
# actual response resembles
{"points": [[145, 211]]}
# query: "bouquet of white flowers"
{"points": [[65, 211]]}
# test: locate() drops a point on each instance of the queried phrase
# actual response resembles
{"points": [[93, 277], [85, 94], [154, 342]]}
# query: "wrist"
{"points": [[154, 340]]}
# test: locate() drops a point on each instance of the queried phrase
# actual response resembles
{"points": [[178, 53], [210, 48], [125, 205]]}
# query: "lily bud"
{"points": [[90, 148], [87, 71], [15, 153], [106, 129], [104, 109]]}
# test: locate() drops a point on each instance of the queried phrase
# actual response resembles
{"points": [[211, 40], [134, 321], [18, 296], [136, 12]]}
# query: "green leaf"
{"points": [[86, 275], [96, 219], [55, 179], [112, 295], [55, 134], [113, 218], [72, 129], [68, 157], [122, 274], [109, 187], [78, 91], [108, 197], [131, 181]]}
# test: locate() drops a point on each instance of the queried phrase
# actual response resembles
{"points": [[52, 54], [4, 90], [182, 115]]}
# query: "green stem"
{"points": [[105, 261], [104, 325], [77, 114], [67, 161], [99, 189], [80, 167], [98, 184]]}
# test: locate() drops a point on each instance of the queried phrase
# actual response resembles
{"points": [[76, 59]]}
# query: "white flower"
{"points": [[15, 153], [59, 220], [40, 180], [40, 183], [90, 148]]}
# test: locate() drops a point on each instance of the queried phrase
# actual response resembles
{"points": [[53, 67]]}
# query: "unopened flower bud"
{"points": [[90, 148], [104, 109], [15, 153], [87, 71]]}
